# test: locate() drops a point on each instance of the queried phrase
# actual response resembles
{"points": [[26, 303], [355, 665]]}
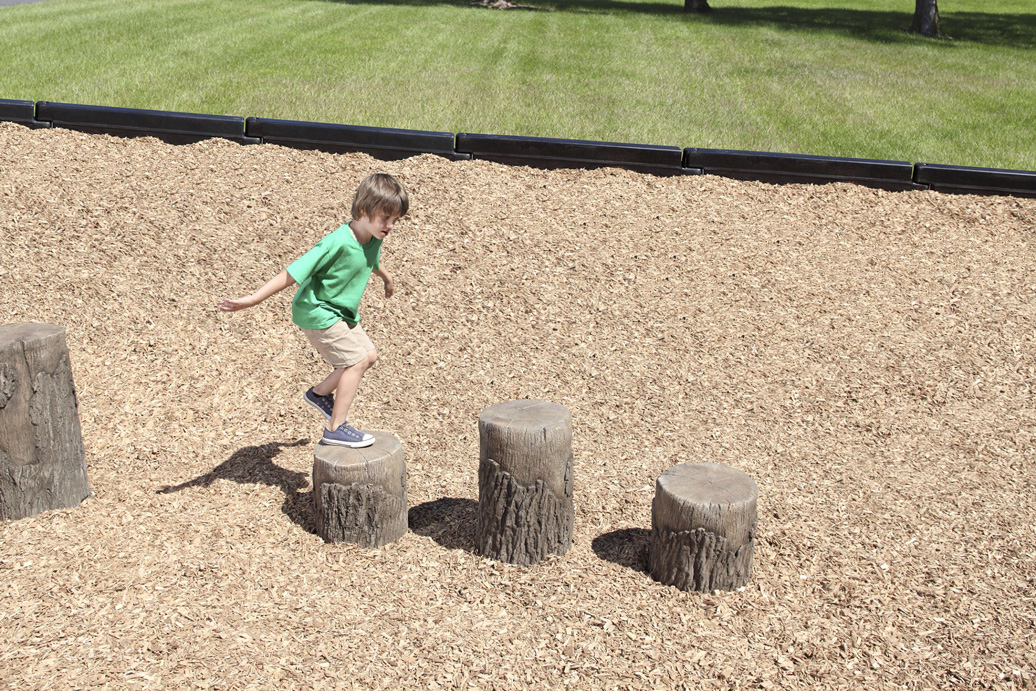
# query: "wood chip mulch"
{"points": [[866, 356]]}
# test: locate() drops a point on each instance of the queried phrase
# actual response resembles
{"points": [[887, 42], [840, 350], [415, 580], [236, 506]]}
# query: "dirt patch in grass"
{"points": [[866, 356]]}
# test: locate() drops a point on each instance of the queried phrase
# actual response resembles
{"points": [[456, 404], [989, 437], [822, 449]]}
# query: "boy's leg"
{"points": [[330, 383], [347, 386]]}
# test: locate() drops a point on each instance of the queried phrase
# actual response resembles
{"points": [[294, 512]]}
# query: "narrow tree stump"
{"points": [[42, 461], [360, 494], [703, 523], [525, 509]]}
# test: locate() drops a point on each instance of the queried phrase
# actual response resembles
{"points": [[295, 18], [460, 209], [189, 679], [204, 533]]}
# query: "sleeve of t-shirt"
{"points": [[308, 264]]}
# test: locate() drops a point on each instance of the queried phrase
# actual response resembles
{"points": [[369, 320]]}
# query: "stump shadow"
{"points": [[450, 521], [254, 464], [627, 547]]}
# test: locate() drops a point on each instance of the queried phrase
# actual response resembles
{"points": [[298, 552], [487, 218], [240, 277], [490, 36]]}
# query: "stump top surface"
{"points": [[526, 413], [708, 483], [11, 333], [385, 444]]}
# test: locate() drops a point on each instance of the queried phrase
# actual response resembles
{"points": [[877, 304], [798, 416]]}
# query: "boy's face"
{"points": [[380, 224]]}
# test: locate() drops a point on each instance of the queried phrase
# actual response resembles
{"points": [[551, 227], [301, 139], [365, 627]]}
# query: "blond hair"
{"points": [[380, 193]]}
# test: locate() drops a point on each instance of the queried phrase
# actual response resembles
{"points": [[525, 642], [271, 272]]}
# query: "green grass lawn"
{"points": [[827, 77]]}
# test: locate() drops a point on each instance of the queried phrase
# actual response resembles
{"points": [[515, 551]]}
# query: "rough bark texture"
{"points": [[926, 19], [525, 509], [363, 514], [696, 6], [520, 525], [360, 494], [42, 460], [703, 526]]}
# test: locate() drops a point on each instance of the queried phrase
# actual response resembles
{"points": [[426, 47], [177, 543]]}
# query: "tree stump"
{"points": [[703, 523], [42, 460], [525, 509], [360, 494]]}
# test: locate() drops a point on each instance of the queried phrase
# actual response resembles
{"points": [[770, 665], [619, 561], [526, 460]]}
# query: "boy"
{"points": [[332, 277]]}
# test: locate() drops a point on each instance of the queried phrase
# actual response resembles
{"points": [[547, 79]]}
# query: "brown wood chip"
{"points": [[867, 357]]}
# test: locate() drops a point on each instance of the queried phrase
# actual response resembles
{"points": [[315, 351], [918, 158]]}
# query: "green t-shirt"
{"points": [[331, 278]]}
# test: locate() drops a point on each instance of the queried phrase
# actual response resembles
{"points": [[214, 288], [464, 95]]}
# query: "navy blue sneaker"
{"points": [[325, 404], [347, 435]]}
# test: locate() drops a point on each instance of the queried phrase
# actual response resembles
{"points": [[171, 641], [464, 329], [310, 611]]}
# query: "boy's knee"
{"points": [[366, 362]]}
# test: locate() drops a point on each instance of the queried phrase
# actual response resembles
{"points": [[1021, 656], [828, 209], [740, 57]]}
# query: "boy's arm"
{"points": [[272, 287], [387, 279]]}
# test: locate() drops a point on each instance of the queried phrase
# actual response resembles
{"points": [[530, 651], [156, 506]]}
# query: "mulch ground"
{"points": [[866, 356]]}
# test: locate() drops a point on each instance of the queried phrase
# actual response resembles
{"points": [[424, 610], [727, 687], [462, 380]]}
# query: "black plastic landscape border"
{"points": [[380, 142], [175, 128], [21, 112], [574, 153], [394, 144], [964, 180], [794, 168]]}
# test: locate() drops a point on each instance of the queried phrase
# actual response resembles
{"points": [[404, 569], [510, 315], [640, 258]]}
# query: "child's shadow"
{"points": [[449, 521], [254, 464]]}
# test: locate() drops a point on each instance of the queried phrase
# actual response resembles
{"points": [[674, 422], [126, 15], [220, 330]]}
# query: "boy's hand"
{"points": [[272, 287], [389, 288], [227, 305]]}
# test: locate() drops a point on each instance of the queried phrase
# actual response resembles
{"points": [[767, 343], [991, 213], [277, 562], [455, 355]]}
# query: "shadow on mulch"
{"points": [[254, 464], [451, 522], [627, 547]]}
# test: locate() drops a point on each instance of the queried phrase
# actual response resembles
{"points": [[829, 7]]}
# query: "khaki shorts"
{"points": [[340, 344]]}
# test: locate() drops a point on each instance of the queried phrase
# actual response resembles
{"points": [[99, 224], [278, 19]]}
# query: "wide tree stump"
{"points": [[360, 494], [42, 461], [525, 509], [703, 522]]}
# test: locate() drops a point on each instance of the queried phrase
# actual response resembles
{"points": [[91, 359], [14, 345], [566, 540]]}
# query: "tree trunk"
{"points": [[42, 460], [696, 6], [703, 523], [525, 509], [360, 494], [926, 19]]}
